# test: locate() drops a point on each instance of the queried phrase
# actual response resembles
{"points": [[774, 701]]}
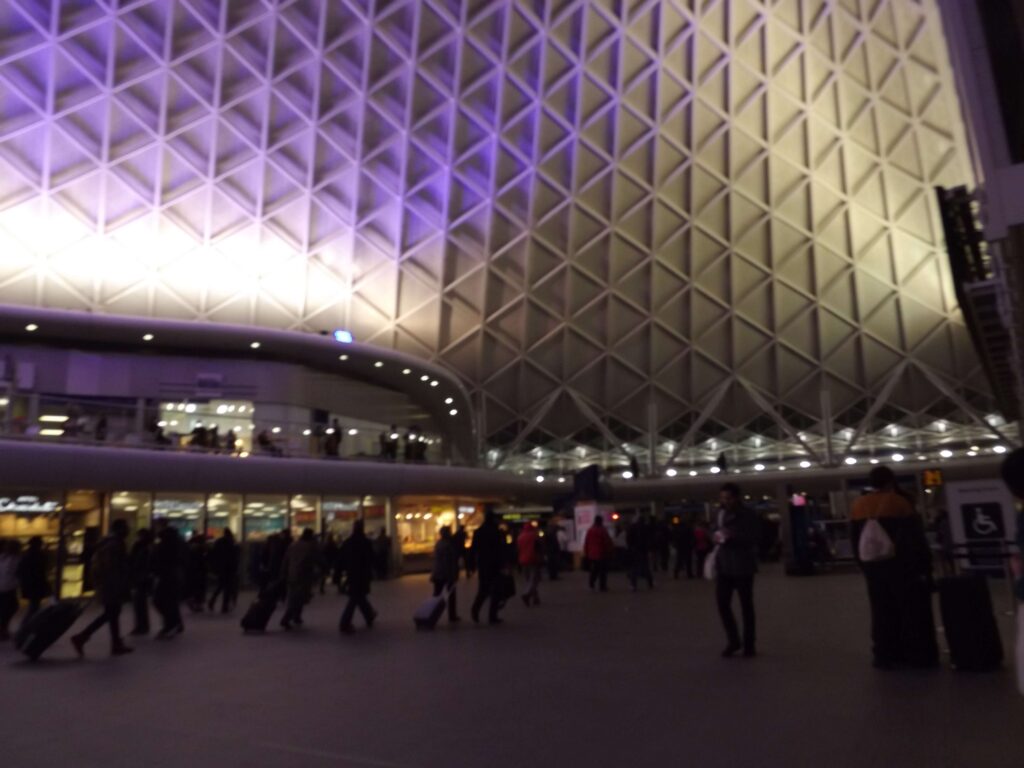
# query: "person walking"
{"points": [[168, 565], [736, 564], [529, 557], [445, 574], [638, 544], [357, 562], [196, 574], [225, 557], [489, 556], [10, 555], [682, 540], [464, 553], [35, 587], [899, 586], [141, 578], [552, 549], [328, 557], [299, 572], [598, 549], [111, 578]]}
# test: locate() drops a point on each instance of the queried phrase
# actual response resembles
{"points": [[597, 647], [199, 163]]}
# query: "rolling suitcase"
{"points": [[47, 626], [430, 612], [971, 631], [258, 615]]}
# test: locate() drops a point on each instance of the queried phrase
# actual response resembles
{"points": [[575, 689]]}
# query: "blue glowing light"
{"points": [[345, 337]]}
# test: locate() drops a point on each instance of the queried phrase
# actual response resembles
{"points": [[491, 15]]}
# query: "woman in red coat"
{"points": [[598, 549], [529, 557]]}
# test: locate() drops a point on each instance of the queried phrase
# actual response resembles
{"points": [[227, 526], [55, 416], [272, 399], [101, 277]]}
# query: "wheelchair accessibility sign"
{"points": [[983, 521]]}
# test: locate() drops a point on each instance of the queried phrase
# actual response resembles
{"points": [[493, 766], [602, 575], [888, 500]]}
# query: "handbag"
{"points": [[875, 544], [1020, 647], [711, 564]]}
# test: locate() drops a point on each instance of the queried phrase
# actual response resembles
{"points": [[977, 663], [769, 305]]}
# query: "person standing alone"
{"points": [[111, 578], [735, 565]]}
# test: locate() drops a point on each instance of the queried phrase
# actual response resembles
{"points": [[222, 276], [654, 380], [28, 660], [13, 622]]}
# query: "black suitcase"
{"points": [[47, 627], [429, 612], [970, 623], [258, 615]]}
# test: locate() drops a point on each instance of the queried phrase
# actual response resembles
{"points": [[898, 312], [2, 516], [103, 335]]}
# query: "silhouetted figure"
{"points": [[299, 571], [32, 576], [736, 564], [701, 545], [552, 550], [328, 560], [638, 538], [273, 558], [101, 428], [899, 588], [168, 569], [139, 566], [112, 579], [357, 561], [225, 557], [661, 544], [196, 575], [10, 555], [445, 574], [489, 556], [598, 549], [463, 552], [683, 541], [382, 554]]}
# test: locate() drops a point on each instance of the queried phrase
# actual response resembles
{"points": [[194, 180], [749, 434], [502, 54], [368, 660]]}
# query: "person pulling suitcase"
{"points": [[446, 574], [111, 575]]}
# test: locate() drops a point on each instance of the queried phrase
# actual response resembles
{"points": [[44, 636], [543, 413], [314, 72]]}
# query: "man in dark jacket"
{"points": [[489, 554], [168, 565], [111, 579], [141, 579], [32, 576], [224, 559], [736, 564], [357, 562]]}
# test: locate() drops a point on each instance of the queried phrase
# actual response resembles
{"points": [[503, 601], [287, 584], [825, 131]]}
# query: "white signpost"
{"points": [[981, 512]]}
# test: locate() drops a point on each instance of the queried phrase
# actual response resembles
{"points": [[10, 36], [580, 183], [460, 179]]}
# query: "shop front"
{"points": [[419, 519], [26, 514]]}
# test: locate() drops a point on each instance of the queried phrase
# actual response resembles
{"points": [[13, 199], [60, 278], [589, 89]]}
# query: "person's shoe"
{"points": [[730, 650], [121, 650], [79, 643]]}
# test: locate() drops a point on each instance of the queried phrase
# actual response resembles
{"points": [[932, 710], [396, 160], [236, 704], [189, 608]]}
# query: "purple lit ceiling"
{"points": [[621, 202]]}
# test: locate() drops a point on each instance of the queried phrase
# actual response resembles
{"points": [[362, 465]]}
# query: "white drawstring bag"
{"points": [[711, 565], [875, 544], [1020, 647]]}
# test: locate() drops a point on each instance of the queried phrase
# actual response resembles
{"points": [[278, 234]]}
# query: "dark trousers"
{"points": [[744, 586], [8, 607], [684, 562], [226, 588], [553, 565], [34, 604], [439, 587], [294, 605], [140, 607], [357, 599], [487, 584], [640, 568], [599, 574], [111, 616], [167, 601], [902, 625]]}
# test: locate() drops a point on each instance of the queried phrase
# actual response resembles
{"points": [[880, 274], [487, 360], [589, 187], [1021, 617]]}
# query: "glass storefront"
{"points": [[339, 514], [26, 514], [375, 512], [184, 511], [135, 509], [224, 512], [304, 514], [80, 533]]}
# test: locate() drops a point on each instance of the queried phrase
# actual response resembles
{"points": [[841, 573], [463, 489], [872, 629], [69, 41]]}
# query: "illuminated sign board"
{"points": [[28, 505]]}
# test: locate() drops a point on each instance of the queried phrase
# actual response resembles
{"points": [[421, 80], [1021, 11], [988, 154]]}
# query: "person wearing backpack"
{"points": [[112, 577], [892, 550]]}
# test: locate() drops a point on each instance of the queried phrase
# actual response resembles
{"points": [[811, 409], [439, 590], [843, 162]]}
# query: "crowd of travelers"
{"points": [[163, 570]]}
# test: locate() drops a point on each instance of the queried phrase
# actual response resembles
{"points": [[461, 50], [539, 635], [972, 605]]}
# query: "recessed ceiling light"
{"points": [[671, 472], [255, 345], [627, 475], [31, 327], [378, 364], [147, 337], [434, 383], [353, 432], [453, 412], [693, 473], [946, 453], [999, 448], [805, 464], [850, 460], [759, 467], [540, 478], [897, 457], [715, 470], [406, 371], [343, 358], [449, 400]]}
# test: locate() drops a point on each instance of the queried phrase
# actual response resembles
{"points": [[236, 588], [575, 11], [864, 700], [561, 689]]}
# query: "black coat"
{"points": [[32, 575], [489, 548], [357, 562], [737, 555]]}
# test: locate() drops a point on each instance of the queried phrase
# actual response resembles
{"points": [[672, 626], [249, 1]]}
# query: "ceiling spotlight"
{"points": [[255, 345], [434, 383], [627, 475], [805, 464], [540, 478], [449, 400], [999, 448], [378, 364], [561, 479], [343, 358], [453, 412], [406, 371], [946, 453], [759, 467], [693, 473], [872, 461], [31, 327], [897, 457], [424, 377], [972, 453], [344, 337], [353, 432], [715, 470], [671, 472], [850, 460], [147, 337], [782, 467]]}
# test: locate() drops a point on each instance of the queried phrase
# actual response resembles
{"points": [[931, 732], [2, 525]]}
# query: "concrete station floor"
{"points": [[586, 679]]}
